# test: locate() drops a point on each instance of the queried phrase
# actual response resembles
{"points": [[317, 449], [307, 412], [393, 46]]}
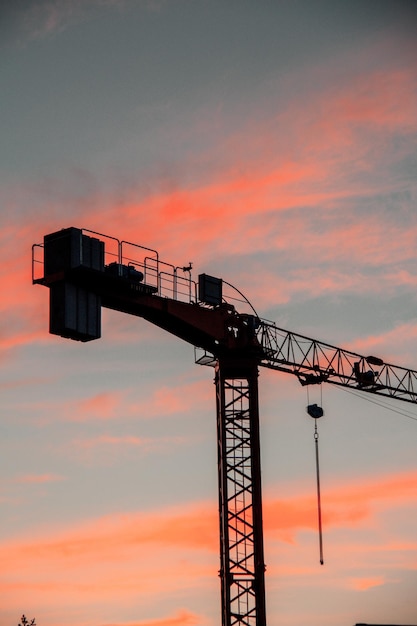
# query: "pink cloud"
{"points": [[103, 405], [311, 178], [181, 398], [391, 344], [307, 171], [24, 312], [126, 439], [45, 19], [164, 400], [300, 158], [106, 444], [382, 99], [39, 478]]}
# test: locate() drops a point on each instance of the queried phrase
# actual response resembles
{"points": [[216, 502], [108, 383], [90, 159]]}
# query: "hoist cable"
{"points": [[380, 403], [316, 440], [316, 411]]}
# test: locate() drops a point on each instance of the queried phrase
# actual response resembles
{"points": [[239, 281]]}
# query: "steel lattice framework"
{"points": [[314, 362], [241, 543]]}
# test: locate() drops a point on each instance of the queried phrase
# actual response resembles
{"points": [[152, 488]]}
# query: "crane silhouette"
{"points": [[85, 271]]}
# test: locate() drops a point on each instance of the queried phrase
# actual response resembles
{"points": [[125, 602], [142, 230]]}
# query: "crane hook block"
{"points": [[314, 410]]}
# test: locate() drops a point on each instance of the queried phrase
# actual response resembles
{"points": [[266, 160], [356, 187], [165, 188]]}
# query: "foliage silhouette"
{"points": [[25, 622]]}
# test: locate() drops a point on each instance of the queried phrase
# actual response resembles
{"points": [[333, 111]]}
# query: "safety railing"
{"points": [[159, 274], [37, 262], [164, 277]]}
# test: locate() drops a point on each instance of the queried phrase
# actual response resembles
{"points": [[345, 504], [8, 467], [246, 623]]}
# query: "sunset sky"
{"points": [[271, 143]]}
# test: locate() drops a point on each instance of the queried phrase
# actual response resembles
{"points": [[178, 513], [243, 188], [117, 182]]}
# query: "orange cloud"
{"points": [[363, 584], [192, 527], [116, 559], [345, 506], [195, 526], [182, 618], [119, 556]]}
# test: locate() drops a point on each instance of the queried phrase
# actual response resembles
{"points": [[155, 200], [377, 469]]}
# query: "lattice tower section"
{"points": [[240, 502]]}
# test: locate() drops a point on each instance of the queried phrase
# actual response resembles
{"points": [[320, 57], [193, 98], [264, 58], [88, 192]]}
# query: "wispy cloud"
{"points": [[40, 19], [125, 404], [289, 184], [288, 188]]}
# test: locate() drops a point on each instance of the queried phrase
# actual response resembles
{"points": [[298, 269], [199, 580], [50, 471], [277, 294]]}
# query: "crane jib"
{"points": [[315, 362]]}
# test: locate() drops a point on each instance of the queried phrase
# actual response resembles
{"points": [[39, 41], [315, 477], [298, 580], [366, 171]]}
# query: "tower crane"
{"points": [[85, 271]]}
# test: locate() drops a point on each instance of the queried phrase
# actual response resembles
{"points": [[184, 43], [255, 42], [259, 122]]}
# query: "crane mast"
{"points": [[86, 271], [240, 496]]}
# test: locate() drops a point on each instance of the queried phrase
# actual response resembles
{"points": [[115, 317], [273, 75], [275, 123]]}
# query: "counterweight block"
{"points": [[74, 311]]}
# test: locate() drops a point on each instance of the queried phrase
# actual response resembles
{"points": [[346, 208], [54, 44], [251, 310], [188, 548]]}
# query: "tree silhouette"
{"points": [[25, 622]]}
